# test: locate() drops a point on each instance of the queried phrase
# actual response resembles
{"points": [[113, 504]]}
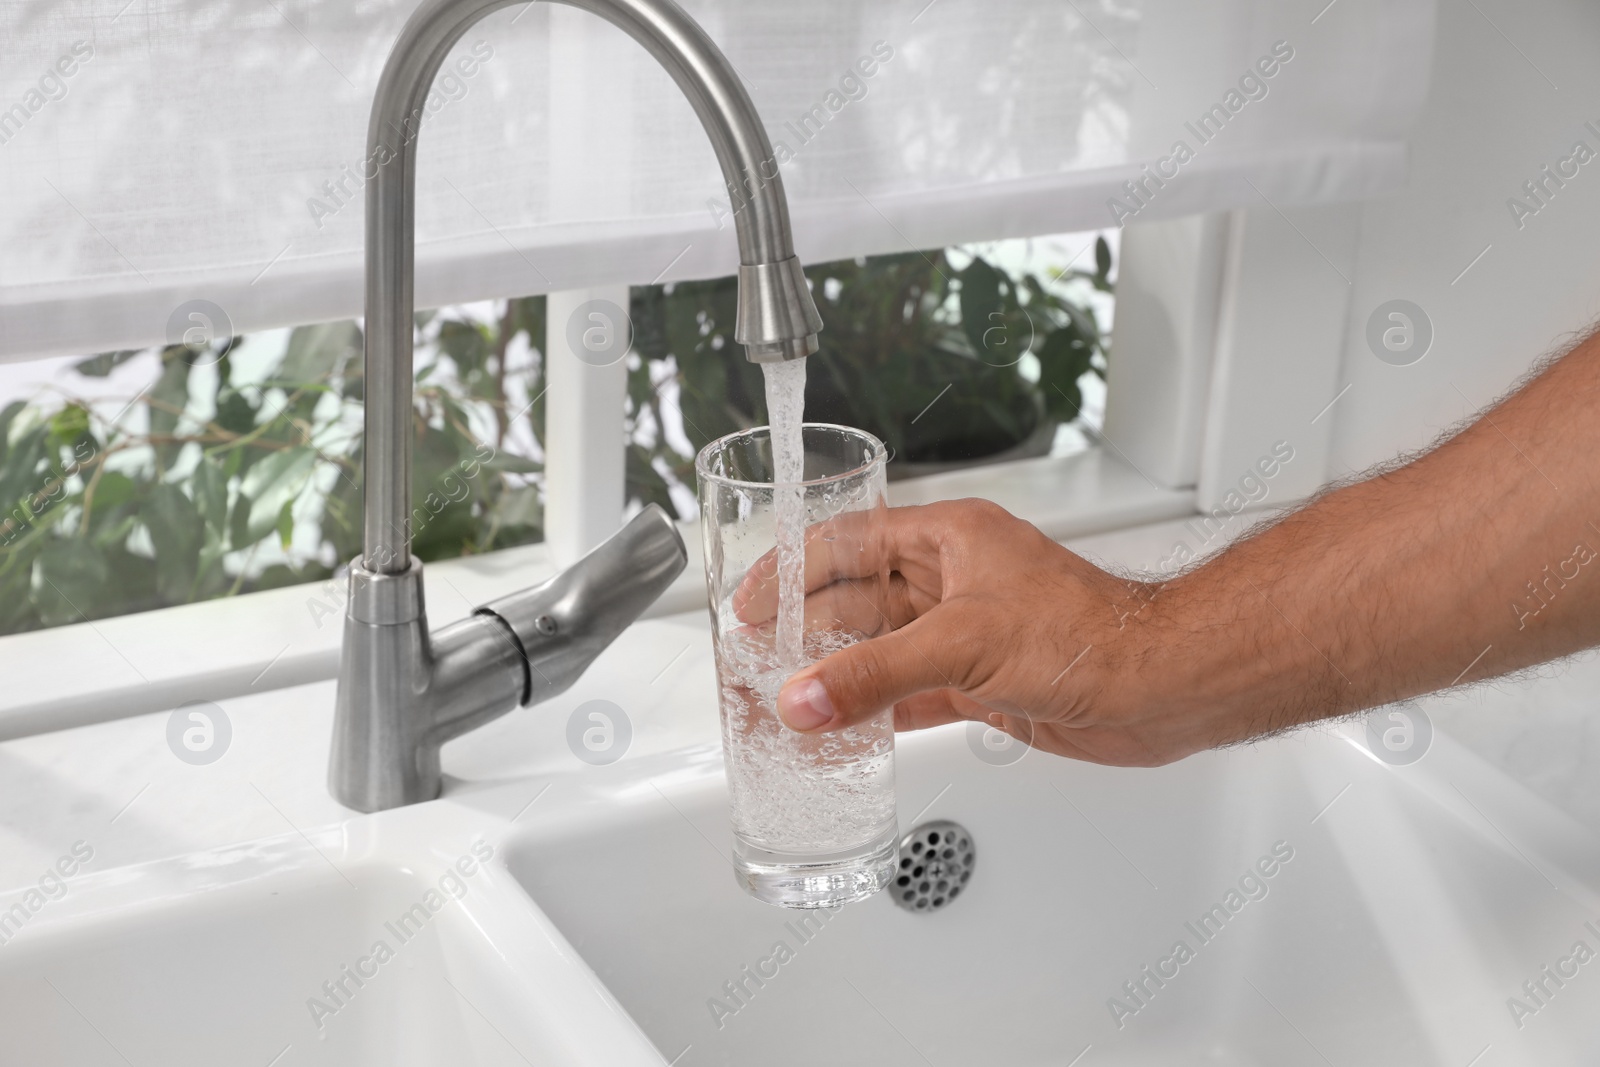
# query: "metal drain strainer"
{"points": [[936, 861]]}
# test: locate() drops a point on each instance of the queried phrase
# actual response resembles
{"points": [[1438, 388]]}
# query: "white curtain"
{"points": [[156, 152]]}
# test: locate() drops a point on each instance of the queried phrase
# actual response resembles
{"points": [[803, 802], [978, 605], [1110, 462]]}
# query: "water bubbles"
{"points": [[797, 792]]}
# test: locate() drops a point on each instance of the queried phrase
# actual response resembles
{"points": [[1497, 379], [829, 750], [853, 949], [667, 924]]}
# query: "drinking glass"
{"points": [[813, 814]]}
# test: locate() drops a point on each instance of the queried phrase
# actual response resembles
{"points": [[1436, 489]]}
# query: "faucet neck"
{"points": [[777, 317]]}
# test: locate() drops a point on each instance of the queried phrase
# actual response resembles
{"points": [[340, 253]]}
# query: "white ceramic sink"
{"points": [[606, 927], [1394, 935], [221, 958]]}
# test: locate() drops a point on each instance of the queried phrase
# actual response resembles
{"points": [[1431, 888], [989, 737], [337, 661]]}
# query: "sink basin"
{"points": [[222, 957], [1378, 915]]}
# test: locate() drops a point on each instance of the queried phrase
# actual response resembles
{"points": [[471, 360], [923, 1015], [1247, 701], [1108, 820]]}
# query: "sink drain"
{"points": [[936, 861]]}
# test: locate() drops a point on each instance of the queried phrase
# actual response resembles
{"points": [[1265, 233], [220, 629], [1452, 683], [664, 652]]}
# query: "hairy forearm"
{"points": [[1479, 558]]}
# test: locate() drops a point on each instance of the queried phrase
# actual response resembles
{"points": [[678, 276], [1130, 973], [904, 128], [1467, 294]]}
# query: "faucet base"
{"points": [[404, 692]]}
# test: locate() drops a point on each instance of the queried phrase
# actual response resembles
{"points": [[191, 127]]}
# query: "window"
{"points": [[140, 479], [952, 357]]}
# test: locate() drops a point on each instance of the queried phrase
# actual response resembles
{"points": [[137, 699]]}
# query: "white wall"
{"points": [[1492, 121]]}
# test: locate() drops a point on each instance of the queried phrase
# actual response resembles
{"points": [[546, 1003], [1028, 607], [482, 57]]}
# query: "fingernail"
{"points": [[805, 705]]}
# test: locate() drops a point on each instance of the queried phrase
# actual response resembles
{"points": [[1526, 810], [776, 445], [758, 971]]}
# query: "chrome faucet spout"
{"points": [[404, 691], [777, 318]]}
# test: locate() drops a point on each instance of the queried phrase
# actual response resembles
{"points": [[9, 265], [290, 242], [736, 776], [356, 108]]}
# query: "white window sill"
{"points": [[134, 664]]}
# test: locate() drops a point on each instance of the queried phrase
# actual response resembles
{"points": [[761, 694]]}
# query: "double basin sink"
{"points": [[1299, 901]]}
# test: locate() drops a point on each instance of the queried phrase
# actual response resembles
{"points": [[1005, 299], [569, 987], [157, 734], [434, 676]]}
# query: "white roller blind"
{"points": [[154, 152]]}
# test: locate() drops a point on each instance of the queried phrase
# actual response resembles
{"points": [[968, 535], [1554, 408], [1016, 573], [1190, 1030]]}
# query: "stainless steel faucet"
{"points": [[404, 692]]}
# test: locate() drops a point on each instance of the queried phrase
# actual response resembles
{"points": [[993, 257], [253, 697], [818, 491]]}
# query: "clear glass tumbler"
{"points": [[813, 814]]}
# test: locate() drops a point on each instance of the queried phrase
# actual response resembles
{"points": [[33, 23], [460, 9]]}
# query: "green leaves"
{"points": [[111, 492], [91, 526], [981, 310], [102, 365], [520, 506], [69, 579], [452, 482], [527, 317], [285, 525], [512, 464], [237, 462], [992, 352], [8, 416], [210, 483], [167, 400], [467, 344], [341, 511], [315, 352], [690, 326], [178, 532], [312, 357], [22, 472], [68, 425], [645, 481], [1063, 359], [267, 489], [235, 413]]}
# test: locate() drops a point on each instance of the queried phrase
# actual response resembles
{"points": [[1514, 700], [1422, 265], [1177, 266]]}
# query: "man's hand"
{"points": [[995, 622], [1479, 558]]}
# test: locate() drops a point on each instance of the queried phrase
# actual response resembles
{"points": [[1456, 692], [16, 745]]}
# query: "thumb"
{"points": [[863, 679]]}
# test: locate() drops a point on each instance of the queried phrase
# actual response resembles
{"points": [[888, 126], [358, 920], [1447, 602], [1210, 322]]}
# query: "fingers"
{"points": [[844, 547], [854, 545], [861, 680], [863, 606]]}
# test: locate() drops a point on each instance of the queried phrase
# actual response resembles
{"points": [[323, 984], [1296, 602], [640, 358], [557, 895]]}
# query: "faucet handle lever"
{"points": [[565, 622]]}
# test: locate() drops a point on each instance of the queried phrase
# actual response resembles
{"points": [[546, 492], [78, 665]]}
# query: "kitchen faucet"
{"points": [[403, 692]]}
